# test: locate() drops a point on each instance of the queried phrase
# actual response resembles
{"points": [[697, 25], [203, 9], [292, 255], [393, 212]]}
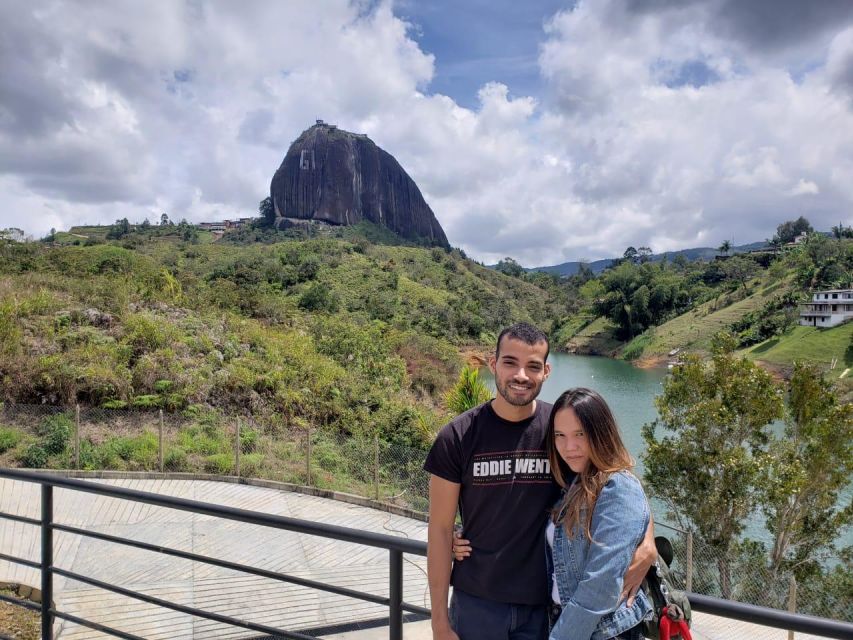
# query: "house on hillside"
{"points": [[212, 226], [828, 308]]}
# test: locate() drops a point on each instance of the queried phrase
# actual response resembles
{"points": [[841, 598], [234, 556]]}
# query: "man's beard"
{"points": [[517, 401]]}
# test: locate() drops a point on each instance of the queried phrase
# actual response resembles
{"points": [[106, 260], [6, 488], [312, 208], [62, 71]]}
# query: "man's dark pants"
{"points": [[474, 618]]}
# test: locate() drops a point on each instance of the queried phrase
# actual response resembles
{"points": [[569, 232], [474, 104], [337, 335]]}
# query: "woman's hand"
{"points": [[642, 561], [461, 546]]}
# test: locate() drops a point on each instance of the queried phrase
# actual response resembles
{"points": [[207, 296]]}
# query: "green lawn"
{"points": [[809, 344]]}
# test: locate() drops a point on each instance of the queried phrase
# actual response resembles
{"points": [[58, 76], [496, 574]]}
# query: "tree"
{"points": [[585, 272], [510, 267], [739, 269], [164, 219], [706, 463], [120, 229], [630, 255], [319, 297], [266, 210], [725, 247], [468, 392], [805, 472], [644, 254], [841, 231], [787, 231]]}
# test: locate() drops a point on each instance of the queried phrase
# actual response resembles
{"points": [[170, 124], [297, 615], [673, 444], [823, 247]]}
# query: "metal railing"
{"points": [[396, 547], [138, 440]]}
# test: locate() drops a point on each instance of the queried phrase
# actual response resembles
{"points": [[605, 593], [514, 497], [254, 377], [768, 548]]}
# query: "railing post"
{"points": [[77, 437], [689, 572], [395, 625], [237, 451], [792, 601], [46, 561], [376, 466], [160, 447]]}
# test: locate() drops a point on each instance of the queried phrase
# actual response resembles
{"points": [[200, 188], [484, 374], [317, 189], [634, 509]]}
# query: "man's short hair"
{"points": [[525, 332]]}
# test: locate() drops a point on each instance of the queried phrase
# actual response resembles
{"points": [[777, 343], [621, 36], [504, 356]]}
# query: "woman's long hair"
{"points": [[607, 455]]}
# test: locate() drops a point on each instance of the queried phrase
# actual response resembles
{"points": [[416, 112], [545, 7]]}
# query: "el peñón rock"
{"points": [[337, 177]]}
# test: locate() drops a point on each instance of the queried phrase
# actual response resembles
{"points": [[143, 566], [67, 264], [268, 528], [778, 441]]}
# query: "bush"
{"points": [[328, 456], [250, 464], [163, 386], [248, 440], [9, 438], [635, 348], [147, 401], [55, 432], [220, 464], [319, 297], [175, 459], [35, 457], [205, 440]]}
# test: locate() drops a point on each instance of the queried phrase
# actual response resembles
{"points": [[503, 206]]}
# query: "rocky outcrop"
{"points": [[334, 176]]}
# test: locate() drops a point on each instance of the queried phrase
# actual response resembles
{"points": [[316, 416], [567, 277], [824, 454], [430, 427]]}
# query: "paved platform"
{"points": [[260, 600]]}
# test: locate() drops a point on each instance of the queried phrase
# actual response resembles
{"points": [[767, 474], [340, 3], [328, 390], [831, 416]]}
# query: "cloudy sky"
{"points": [[543, 130]]}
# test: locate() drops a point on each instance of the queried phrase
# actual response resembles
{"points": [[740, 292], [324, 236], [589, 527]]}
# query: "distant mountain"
{"points": [[337, 177], [597, 266]]}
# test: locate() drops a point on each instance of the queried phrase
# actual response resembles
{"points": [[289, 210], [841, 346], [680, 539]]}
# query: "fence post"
{"points": [[395, 591], [237, 450], [689, 573], [376, 466], [160, 447], [792, 601], [308, 455], [46, 561], [77, 436]]}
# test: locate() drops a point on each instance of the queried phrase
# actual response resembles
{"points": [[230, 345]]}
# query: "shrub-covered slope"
{"points": [[346, 333]]}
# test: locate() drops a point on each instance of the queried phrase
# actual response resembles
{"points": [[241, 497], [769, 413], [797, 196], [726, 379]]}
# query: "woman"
{"points": [[596, 525]]}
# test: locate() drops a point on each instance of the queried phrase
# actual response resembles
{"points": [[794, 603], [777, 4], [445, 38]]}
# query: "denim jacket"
{"points": [[589, 575]]}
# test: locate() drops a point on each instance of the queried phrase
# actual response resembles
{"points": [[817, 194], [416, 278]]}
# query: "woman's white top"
{"points": [[549, 536]]}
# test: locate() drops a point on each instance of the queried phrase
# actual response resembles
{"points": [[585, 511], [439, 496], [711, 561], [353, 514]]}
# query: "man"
{"points": [[491, 463]]}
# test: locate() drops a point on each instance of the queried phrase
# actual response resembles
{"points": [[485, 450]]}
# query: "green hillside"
{"points": [[693, 330], [351, 334], [650, 313]]}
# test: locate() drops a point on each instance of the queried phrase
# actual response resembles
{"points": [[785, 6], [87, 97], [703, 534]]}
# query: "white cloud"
{"points": [[804, 187], [654, 126]]}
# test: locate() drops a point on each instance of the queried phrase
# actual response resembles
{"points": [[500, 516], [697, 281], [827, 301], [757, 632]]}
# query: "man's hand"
{"points": [[644, 558], [461, 546], [445, 633]]}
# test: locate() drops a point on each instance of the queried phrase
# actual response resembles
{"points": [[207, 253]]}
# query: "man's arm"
{"points": [[443, 500], [644, 558]]}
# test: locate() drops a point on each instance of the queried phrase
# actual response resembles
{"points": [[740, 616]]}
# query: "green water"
{"points": [[630, 392]]}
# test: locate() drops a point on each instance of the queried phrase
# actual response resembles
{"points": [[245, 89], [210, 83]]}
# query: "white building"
{"points": [[828, 308]]}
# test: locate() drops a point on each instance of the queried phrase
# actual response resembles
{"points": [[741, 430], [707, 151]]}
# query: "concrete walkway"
{"points": [[277, 604], [260, 600]]}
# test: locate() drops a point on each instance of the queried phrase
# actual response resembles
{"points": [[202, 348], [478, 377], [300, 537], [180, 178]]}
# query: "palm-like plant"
{"points": [[468, 392], [725, 247]]}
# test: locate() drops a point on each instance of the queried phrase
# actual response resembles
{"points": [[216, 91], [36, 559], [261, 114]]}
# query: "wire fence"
{"points": [[151, 440]]}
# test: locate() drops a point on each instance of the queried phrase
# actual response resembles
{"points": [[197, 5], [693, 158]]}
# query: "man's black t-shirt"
{"points": [[506, 491]]}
